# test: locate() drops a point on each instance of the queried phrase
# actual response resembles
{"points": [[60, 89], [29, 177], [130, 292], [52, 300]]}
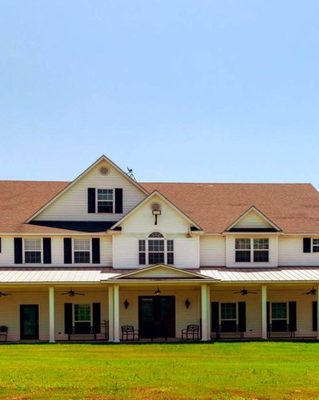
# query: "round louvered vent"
{"points": [[104, 170], [156, 206]]}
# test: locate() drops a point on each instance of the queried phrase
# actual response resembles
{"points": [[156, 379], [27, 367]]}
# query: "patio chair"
{"points": [[129, 333], [191, 332]]}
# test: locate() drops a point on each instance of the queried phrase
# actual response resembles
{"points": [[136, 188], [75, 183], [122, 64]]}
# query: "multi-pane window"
{"points": [[279, 311], [156, 250], [105, 200], [228, 312], [315, 245], [82, 251], [82, 312], [261, 250], [242, 250], [255, 250], [32, 251]]}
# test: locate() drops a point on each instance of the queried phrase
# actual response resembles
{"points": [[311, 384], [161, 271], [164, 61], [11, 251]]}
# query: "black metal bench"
{"points": [[129, 333], [191, 332], [228, 332], [284, 330], [4, 332], [90, 330]]}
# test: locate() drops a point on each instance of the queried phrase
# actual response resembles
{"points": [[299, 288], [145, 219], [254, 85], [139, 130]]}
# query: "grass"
{"points": [[160, 371]]}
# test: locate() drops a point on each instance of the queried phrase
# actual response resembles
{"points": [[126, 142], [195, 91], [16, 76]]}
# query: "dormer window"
{"points": [[32, 251], [105, 200], [252, 250], [156, 250]]}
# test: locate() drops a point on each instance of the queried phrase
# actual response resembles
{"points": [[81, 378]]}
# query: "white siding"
{"points": [[230, 253], [212, 251], [73, 204], [252, 220], [125, 252], [57, 252], [291, 252], [186, 252]]}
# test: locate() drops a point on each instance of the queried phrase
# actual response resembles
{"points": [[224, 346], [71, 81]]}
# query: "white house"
{"points": [[93, 257]]}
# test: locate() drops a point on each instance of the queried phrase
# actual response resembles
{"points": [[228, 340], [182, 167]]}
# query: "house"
{"points": [[89, 257]]}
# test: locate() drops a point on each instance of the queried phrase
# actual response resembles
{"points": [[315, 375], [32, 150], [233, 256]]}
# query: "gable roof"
{"points": [[259, 213], [153, 194], [214, 207], [71, 184], [160, 271]]}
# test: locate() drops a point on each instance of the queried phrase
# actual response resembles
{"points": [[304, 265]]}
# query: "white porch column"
{"points": [[116, 337], [204, 290], [51, 315], [264, 312], [209, 315], [111, 314], [318, 312]]}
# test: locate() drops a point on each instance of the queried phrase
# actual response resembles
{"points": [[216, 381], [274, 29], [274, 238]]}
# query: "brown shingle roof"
{"points": [[293, 207]]}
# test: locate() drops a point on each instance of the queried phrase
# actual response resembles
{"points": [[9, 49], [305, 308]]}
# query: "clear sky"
{"points": [[178, 90]]}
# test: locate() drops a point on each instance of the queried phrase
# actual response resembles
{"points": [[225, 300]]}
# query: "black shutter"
{"points": [[96, 318], [292, 316], [18, 250], [215, 316], [67, 251], [91, 200], [68, 318], [242, 316], [118, 201], [47, 258], [314, 316], [96, 250], [307, 245], [268, 317]]}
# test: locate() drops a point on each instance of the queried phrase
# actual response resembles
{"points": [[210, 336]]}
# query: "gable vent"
{"points": [[156, 207], [104, 171]]}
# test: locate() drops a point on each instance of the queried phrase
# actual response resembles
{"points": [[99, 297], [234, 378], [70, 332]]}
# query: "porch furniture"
{"points": [[228, 331], [76, 332], [281, 330], [192, 332], [129, 333], [4, 332]]}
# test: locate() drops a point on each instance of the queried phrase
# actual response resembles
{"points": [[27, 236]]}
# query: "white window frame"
{"points": [[73, 250], [24, 250], [73, 313], [97, 200], [252, 250], [287, 311], [314, 245], [220, 311], [146, 251]]}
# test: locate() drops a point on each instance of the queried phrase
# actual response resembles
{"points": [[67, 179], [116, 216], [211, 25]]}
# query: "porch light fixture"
{"points": [[187, 303], [156, 211], [157, 292], [126, 304]]}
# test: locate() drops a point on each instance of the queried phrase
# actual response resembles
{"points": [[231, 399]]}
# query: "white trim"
{"points": [[252, 251], [85, 172], [97, 201], [41, 251], [90, 250], [140, 204], [258, 212]]}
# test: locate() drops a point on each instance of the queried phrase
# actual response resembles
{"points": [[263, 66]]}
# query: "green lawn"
{"points": [[160, 371]]}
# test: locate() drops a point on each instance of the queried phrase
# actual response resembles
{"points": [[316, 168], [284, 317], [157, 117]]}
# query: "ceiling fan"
{"points": [[73, 293], [244, 292], [312, 291], [3, 294]]}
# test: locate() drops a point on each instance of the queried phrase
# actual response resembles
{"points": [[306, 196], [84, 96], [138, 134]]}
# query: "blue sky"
{"points": [[184, 90]]}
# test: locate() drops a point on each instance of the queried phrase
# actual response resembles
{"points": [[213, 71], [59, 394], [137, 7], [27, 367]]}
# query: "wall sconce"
{"points": [[126, 304], [157, 292], [187, 303], [156, 211]]}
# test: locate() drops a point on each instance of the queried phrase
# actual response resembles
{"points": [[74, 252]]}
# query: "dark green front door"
{"points": [[29, 321], [157, 316]]}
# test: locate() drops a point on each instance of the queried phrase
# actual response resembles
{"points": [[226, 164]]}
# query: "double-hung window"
{"points": [[279, 316], [315, 245], [252, 250], [82, 318], [228, 317], [32, 251], [105, 200], [156, 250], [82, 251]]}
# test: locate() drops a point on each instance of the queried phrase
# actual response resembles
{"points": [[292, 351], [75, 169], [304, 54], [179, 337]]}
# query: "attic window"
{"points": [[105, 200]]}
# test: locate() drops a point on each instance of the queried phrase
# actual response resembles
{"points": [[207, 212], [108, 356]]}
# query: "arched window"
{"points": [[156, 250]]}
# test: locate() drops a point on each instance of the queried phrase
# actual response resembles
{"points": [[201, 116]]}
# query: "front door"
{"points": [[157, 316], [29, 321]]}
